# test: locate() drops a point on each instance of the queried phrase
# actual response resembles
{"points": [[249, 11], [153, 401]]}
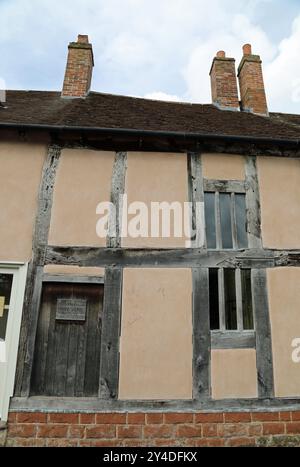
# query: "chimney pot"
{"points": [[221, 54], [247, 49], [83, 39]]}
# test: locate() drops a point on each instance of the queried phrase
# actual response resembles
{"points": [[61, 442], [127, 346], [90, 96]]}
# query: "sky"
{"points": [[159, 49]]}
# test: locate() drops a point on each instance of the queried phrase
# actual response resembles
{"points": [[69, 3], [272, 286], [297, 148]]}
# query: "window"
{"points": [[230, 299], [230, 295], [225, 220]]}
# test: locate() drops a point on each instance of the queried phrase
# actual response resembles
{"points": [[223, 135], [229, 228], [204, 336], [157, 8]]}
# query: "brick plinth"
{"points": [[154, 429]]}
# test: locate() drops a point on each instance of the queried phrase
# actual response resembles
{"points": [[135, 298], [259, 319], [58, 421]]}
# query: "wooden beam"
{"points": [[117, 191], [196, 197], [177, 257], [94, 405], [110, 338], [253, 204], [224, 186], [264, 356], [233, 340], [201, 335], [35, 273], [66, 279]]}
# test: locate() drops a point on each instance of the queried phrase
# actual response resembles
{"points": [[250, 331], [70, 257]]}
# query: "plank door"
{"points": [[68, 342]]}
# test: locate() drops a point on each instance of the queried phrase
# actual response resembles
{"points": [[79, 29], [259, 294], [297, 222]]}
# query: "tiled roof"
{"points": [[108, 111]]}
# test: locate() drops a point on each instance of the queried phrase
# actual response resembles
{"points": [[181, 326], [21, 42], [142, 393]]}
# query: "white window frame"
{"points": [[11, 343]]}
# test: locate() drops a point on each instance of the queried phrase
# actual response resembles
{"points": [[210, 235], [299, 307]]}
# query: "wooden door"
{"points": [[68, 342]]}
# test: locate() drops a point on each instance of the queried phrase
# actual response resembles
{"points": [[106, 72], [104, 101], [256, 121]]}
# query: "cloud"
{"points": [[240, 30], [282, 75], [162, 96], [162, 49]]}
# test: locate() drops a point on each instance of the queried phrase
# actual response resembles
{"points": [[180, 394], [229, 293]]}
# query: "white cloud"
{"points": [[240, 31], [282, 75], [162, 49], [162, 96]]}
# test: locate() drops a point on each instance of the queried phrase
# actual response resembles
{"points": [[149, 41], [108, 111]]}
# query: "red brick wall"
{"points": [[154, 429]]}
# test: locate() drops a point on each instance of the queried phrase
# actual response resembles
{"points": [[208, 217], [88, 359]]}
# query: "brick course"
{"points": [[154, 429]]}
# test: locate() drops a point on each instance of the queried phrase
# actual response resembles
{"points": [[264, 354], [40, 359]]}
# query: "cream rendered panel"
{"points": [[284, 304], [83, 180], [279, 184], [233, 374], [157, 177], [21, 170], [223, 166], [156, 334]]}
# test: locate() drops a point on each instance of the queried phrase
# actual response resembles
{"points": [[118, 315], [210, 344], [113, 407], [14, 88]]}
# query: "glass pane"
{"points": [[226, 231], [214, 299], [210, 219], [241, 220], [247, 299], [5, 291], [230, 299]]}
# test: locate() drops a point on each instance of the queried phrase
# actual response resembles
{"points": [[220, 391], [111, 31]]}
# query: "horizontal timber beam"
{"points": [[65, 405], [232, 339], [185, 257]]}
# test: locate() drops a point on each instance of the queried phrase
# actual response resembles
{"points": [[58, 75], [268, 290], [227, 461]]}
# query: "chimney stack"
{"points": [[252, 89], [224, 89], [78, 75]]}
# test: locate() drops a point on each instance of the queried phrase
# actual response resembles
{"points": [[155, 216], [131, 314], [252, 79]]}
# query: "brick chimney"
{"points": [[252, 89], [78, 75], [224, 89]]}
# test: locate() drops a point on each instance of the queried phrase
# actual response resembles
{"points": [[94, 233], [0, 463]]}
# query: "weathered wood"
{"points": [[93, 349], [221, 293], [233, 222], [233, 340], [70, 386], [287, 258], [109, 140], [185, 257], [109, 365], [69, 342], [34, 278], [201, 334], [117, 191], [264, 356], [90, 405], [224, 186], [218, 221], [239, 299], [253, 204], [41, 347], [66, 279], [196, 197]]}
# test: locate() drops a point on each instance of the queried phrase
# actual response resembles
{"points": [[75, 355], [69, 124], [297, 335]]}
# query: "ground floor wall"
{"points": [[154, 429]]}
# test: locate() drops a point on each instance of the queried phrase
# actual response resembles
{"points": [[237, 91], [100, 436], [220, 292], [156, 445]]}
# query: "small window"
{"points": [[230, 299], [225, 220]]}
